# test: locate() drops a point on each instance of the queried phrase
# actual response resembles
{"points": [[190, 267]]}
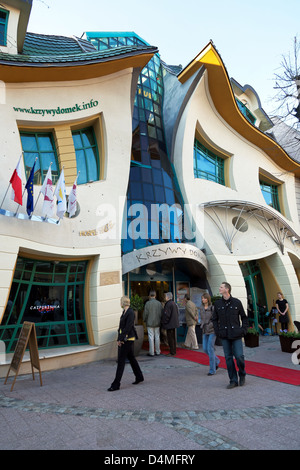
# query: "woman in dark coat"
{"points": [[126, 337]]}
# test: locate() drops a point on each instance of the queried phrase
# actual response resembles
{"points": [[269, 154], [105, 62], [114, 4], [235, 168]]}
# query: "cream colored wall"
{"points": [[113, 94], [245, 161]]}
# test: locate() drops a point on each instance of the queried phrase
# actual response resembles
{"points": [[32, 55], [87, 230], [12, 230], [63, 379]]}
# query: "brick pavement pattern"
{"points": [[178, 407]]}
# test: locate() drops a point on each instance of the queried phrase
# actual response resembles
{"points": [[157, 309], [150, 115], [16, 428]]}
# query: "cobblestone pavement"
{"points": [[178, 407]]}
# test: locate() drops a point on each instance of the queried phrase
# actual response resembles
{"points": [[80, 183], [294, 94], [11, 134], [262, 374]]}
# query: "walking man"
{"points": [[170, 321], [152, 318], [191, 318], [231, 324]]}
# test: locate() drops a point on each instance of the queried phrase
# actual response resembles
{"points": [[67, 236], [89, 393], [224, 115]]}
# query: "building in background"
{"points": [[180, 185]]}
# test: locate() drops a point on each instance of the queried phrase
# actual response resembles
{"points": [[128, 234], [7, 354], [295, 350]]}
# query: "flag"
{"points": [[47, 191], [72, 202], [60, 193], [16, 183], [29, 187]]}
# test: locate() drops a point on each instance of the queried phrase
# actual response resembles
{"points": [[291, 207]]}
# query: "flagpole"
{"points": [[58, 220], [72, 188], [19, 204], [39, 196], [5, 195]]}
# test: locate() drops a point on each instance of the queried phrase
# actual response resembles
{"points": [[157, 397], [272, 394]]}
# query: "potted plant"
{"points": [[287, 339], [252, 338], [137, 305]]}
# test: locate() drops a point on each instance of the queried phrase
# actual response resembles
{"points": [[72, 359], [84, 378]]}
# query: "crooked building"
{"points": [[181, 185]]}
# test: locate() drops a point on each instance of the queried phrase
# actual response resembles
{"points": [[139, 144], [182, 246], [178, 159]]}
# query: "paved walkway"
{"points": [[178, 408]]}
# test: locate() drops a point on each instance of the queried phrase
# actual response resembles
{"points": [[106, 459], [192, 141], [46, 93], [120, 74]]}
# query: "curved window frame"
{"points": [[39, 154], [3, 27], [203, 156], [84, 148], [271, 190]]}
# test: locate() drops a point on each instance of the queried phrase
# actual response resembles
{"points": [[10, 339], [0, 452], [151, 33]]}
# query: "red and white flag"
{"points": [[47, 191], [72, 202], [16, 183]]}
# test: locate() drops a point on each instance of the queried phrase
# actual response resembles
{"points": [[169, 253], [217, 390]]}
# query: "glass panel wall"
{"points": [[51, 295]]}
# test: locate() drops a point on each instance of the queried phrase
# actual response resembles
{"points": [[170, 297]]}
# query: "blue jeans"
{"points": [[234, 347], [208, 344]]}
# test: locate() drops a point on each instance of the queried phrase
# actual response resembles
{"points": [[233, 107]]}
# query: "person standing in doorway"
{"points": [[208, 333], [152, 318], [126, 337], [191, 317], [231, 324], [282, 307], [170, 321]]}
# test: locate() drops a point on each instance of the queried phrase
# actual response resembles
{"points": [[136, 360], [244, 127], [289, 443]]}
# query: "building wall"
{"points": [[95, 232]]}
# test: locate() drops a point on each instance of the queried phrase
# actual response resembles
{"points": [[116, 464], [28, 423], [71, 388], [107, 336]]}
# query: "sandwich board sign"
{"points": [[27, 337]]}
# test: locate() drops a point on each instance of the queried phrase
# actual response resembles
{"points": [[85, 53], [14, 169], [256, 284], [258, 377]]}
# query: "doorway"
{"points": [[256, 296]]}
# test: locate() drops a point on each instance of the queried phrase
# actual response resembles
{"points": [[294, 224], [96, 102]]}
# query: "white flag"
{"points": [[47, 191], [72, 202], [60, 193]]}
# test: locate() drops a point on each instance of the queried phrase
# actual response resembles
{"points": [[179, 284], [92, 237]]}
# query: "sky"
{"points": [[251, 36]]}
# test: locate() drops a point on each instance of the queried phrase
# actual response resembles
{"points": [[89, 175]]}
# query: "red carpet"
{"points": [[265, 371]]}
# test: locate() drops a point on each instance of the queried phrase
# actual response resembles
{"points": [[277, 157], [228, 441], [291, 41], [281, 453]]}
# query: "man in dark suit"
{"points": [[170, 321]]}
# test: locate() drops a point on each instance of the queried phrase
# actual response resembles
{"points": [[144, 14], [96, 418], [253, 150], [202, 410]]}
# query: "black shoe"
{"points": [[137, 381], [151, 355], [242, 380], [232, 385], [113, 389]]}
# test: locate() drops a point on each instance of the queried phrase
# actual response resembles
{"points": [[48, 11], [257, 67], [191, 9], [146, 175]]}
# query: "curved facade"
{"points": [[178, 186]]}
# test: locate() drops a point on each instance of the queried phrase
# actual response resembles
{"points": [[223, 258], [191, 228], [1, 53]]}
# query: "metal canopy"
{"points": [[269, 219]]}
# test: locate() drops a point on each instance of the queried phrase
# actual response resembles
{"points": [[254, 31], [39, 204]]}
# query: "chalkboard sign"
{"points": [[27, 337]]}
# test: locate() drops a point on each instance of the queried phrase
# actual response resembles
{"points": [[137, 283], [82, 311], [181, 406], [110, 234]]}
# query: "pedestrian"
{"points": [[126, 337], [152, 318], [231, 324], [170, 321], [282, 307], [208, 333], [191, 317]]}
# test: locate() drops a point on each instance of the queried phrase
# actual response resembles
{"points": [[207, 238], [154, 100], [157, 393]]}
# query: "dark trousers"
{"points": [[171, 335], [234, 347], [126, 351]]}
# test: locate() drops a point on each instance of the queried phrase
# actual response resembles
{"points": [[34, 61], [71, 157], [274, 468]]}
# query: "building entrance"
{"points": [[256, 296]]}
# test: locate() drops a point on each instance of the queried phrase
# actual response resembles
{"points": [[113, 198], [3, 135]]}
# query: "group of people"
{"points": [[225, 319]]}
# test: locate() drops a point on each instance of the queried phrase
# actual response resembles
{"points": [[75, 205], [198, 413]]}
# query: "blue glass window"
{"points": [[3, 27], [207, 165], [86, 155], [41, 146]]}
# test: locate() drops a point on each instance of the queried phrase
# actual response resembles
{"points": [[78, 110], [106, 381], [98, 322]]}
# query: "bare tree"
{"points": [[287, 84]]}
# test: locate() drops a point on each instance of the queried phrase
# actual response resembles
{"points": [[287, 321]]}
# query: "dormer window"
{"points": [[3, 27]]}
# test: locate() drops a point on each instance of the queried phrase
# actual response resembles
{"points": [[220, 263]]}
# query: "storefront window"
{"points": [[51, 295]]}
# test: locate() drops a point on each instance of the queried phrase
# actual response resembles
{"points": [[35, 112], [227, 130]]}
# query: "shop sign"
{"points": [[27, 337], [160, 252]]}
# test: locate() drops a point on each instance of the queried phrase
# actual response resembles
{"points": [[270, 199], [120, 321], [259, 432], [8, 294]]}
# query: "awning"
{"points": [[269, 219]]}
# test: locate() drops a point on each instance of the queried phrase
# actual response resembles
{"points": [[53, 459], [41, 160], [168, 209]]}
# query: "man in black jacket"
{"points": [[170, 321], [231, 324]]}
